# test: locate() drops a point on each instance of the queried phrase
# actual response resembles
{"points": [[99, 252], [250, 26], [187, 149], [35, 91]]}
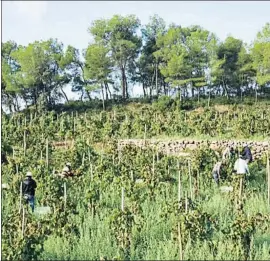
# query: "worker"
{"points": [[240, 166], [247, 156], [28, 190], [67, 171], [68, 165], [4, 158], [238, 183], [216, 171], [227, 153]]}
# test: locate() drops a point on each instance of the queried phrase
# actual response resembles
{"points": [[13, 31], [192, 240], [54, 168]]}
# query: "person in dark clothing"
{"points": [[247, 156], [28, 189], [3, 158]]}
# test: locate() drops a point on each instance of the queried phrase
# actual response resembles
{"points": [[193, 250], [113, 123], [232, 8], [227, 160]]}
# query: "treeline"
{"points": [[191, 61]]}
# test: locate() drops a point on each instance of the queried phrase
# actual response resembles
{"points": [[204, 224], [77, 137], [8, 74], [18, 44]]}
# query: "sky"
{"points": [[27, 21]]}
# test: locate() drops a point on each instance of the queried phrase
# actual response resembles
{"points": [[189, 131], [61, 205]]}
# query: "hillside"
{"points": [[135, 203]]}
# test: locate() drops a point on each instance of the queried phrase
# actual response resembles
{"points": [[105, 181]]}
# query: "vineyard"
{"points": [[134, 203]]}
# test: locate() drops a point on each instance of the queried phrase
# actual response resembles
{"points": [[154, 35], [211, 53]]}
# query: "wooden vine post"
{"points": [[122, 200], [153, 163], [89, 156], [179, 183], [20, 205], [24, 143], [83, 158], [65, 194], [91, 171], [268, 175], [178, 224], [122, 208], [47, 153], [190, 181], [74, 123], [145, 128], [118, 151], [186, 202], [131, 176], [180, 242], [23, 218], [198, 183]]}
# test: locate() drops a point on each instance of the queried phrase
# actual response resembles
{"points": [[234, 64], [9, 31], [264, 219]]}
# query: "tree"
{"points": [[97, 69], [183, 52], [245, 70], [198, 44], [10, 87], [119, 35], [148, 64], [261, 56], [74, 71], [228, 53], [173, 56], [42, 71]]}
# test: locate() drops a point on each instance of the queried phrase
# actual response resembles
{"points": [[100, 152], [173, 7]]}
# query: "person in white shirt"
{"points": [[240, 169], [240, 166]]}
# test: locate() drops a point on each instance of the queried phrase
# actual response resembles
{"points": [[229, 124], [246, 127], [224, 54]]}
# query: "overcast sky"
{"points": [[27, 21]]}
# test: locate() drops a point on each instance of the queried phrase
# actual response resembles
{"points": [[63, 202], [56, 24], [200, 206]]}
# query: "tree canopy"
{"points": [[123, 53]]}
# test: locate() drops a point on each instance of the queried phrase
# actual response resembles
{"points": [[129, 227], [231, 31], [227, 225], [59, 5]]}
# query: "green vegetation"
{"points": [[242, 121], [135, 203], [159, 58], [91, 224]]}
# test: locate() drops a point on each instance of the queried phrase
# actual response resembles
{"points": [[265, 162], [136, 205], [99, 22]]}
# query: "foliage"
{"points": [[161, 59]]}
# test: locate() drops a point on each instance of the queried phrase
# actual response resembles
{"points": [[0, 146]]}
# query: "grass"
{"points": [[154, 241]]}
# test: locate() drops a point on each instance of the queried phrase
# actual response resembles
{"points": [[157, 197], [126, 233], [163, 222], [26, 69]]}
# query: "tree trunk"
{"points": [[185, 94], [156, 79], [127, 96], [209, 97], [81, 98], [35, 99], [164, 86], [256, 94], [225, 88], [106, 91], [144, 92], [102, 91], [107, 87], [123, 83], [64, 94], [192, 92], [152, 82], [16, 104], [180, 94], [88, 95]]}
